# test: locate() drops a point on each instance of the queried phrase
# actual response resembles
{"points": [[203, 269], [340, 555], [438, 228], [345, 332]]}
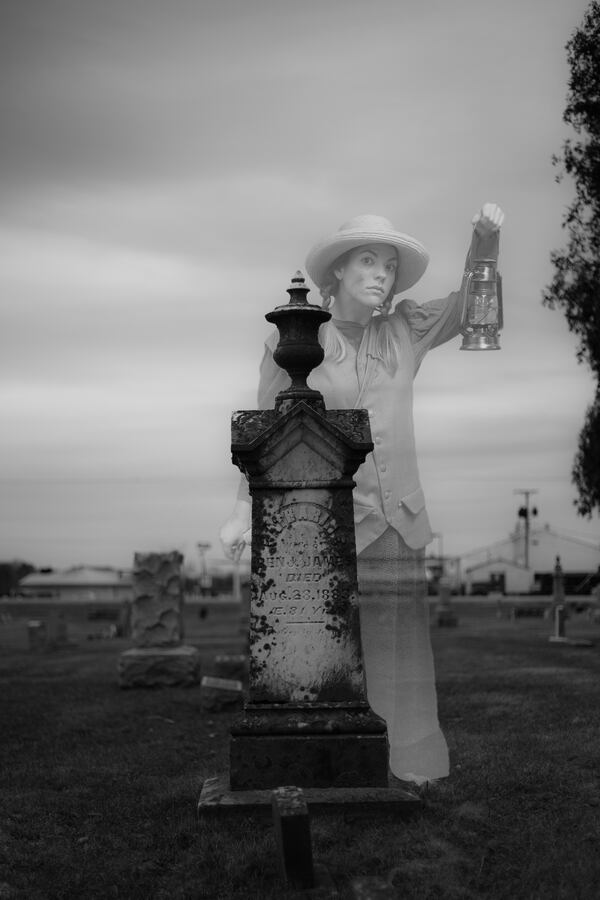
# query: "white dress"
{"points": [[397, 656]]}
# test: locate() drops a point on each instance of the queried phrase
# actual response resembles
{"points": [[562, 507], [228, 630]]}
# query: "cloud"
{"points": [[165, 168], [124, 93]]}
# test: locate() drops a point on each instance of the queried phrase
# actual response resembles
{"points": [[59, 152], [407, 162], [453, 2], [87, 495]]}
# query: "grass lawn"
{"points": [[98, 787]]}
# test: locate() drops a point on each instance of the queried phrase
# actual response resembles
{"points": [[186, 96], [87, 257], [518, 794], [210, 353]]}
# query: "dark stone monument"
{"points": [[306, 720]]}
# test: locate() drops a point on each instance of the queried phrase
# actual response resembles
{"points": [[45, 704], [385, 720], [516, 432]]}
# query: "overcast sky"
{"points": [[164, 169]]}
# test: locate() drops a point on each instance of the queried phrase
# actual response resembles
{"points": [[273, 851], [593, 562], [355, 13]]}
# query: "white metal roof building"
{"points": [[83, 583], [503, 563]]}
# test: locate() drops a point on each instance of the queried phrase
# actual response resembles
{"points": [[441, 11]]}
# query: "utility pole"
{"points": [[524, 513]]}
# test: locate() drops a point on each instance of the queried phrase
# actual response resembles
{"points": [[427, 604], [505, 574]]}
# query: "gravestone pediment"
{"points": [[300, 443], [305, 454]]}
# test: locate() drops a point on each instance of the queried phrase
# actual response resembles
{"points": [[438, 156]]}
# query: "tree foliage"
{"points": [[10, 575], [575, 287]]}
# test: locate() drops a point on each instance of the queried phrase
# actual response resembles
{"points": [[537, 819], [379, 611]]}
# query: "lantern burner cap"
{"points": [[479, 341]]}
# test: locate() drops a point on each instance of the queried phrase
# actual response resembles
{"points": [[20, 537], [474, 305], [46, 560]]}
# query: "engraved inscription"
{"points": [[304, 512], [302, 571]]}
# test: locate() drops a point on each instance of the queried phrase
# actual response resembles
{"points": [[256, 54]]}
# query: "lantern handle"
{"points": [[464, 289]]}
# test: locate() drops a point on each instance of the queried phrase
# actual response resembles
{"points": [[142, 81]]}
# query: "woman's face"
{"points": [[366, 276]]}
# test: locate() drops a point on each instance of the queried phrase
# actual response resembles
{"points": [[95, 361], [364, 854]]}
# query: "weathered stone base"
{"points": [[217, 798], [309, 745], [308, 761], [159, 666]]}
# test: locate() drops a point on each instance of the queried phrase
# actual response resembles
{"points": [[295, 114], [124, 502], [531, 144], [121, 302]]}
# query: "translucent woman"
{"points": [[374, 346]]}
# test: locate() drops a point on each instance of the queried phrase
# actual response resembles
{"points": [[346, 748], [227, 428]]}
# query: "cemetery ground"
{"points": [[99, 785]]}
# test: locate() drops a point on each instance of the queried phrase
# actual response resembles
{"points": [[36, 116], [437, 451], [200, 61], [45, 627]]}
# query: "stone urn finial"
{"points": [[298, 350], [298, 290]]}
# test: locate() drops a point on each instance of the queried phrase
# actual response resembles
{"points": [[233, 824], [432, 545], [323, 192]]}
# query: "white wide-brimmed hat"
{"points": [[412, 255]]}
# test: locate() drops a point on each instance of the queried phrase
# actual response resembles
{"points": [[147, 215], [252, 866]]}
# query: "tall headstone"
{"points": [[159, 657], [306, 720], [558, 608], [561, 612], [558, 585]]}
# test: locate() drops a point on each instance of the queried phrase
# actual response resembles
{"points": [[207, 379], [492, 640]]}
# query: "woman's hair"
{"points": [[330, 338]]}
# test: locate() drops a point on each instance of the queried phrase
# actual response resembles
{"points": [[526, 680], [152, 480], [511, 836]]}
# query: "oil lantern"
{"points": [[482, 306]]}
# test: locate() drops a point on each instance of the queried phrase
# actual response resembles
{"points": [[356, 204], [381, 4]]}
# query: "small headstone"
{"points": [[157, 608], [219, 693], [159, 657], [292, 831]]}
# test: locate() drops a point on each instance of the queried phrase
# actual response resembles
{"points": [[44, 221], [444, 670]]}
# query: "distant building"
{"points": [[79, 584], [501, 566], [497, 574]]}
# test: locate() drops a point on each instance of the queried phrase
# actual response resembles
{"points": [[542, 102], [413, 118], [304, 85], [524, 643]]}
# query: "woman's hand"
{"points": [[235, 533], [488, 220]]}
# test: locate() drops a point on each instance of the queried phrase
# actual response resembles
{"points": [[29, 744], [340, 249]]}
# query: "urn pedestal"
{"points": [[306, 720]]}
